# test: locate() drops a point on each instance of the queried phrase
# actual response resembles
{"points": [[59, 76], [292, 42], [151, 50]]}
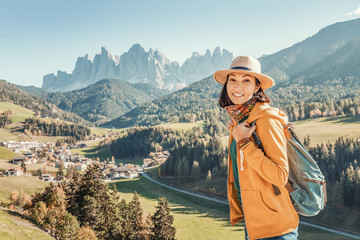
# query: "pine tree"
{"points": [[195, 171], [208, 176], [179, 171], [60, 171], [163, 228], [185, 169], [91, 203], [136, 222]]}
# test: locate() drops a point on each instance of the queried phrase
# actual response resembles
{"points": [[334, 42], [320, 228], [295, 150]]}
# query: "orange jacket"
{"points": [[266, 215]]}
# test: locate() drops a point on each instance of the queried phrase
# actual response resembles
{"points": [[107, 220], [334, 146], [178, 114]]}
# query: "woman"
{"points": [[256, 181]]}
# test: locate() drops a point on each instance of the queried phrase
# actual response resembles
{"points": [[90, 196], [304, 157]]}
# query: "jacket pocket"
{"points": [[257, 213]]}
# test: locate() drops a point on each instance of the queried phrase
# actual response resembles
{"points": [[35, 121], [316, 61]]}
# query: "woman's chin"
{"points": [[238, 101]]}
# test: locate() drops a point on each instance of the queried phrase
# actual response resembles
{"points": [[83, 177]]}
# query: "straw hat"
{"points": [[245, 64]]}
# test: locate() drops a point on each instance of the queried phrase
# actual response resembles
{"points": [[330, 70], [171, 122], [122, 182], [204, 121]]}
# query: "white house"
{"points": [[80, 167], [147, 162], [123, 172], [66, 164], [47, 177], [14, 172]]}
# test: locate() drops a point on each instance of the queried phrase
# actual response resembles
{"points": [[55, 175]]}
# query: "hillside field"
{"points": [[14, 227], [28, 184]]}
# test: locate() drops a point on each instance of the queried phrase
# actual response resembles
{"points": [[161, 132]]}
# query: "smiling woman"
{"points": [[256, 182]]}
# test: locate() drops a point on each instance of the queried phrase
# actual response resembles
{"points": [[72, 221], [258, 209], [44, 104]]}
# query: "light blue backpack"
{"points": [[306, 184]]}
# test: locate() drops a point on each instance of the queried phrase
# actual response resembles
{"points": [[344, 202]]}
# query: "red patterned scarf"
{"points": [[240, 112]]}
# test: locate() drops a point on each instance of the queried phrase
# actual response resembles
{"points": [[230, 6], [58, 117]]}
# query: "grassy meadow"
{"points": [[182, 126], [19, 114], [194, 218], [328, 129], [28, 184], [15, 227]]}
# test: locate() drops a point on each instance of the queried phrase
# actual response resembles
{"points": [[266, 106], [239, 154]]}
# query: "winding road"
{"points": [[353, 236]]}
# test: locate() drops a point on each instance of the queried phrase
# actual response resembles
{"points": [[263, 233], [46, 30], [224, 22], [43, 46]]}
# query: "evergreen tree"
{"points": [[163, 228], [60, 171], [208, 176], [135, 218], [195, 171], [89, 200]]}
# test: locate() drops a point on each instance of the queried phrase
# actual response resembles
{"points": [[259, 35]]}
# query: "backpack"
{"points": [[306, 184]]}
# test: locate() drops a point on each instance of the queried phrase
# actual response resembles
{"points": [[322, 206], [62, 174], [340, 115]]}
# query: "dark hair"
{"points": [[225, 101]]}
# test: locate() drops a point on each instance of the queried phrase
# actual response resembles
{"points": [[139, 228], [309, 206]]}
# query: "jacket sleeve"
{"points": [[273, 167]]}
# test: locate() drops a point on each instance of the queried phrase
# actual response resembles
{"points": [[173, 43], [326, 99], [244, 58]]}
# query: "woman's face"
{"points": [[241, 87]]}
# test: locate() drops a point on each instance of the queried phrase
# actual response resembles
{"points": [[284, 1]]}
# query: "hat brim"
{"points": [[266, 82]]}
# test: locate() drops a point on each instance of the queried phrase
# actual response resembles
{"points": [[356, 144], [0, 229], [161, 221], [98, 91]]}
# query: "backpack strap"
{"points": [[258, 143]]}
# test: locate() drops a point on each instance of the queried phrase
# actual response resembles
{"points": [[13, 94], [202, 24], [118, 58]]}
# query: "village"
{"points": [[48, 154]]}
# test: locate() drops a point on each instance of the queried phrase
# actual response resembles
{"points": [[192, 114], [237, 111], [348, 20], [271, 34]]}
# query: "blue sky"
{"points": [[42, 36]]}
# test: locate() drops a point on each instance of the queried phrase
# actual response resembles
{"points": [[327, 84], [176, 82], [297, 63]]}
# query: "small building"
{"points": [[47, 177], [130, 165], [19, 160], [14, 172], [80, 167], [147, 162], [123, 172]]}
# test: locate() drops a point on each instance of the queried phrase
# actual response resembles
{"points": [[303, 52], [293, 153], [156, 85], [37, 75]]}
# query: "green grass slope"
{"points": [[15, 227]]}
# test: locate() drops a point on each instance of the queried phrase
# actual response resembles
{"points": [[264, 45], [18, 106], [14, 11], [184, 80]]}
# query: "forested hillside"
{"points": [[105, 99], [10, 93], [288, 63], [186, 105]]}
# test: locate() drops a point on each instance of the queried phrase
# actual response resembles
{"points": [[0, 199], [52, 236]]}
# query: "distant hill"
{"points": [[193, 99], [290, 62], [32, 90], [106, 99], [334, 77], [12, 94]]}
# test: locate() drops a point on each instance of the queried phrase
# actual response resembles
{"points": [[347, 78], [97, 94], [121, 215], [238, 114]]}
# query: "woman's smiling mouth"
{"points": [[237, 95]]}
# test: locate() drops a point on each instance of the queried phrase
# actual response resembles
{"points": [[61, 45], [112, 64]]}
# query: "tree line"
{"points": [[84, 208], [198, 157], [194, 154], [339, 163], [349, 107], [42, 128]]}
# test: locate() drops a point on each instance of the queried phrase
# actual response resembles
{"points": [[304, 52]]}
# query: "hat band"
{"points": [[243, 68]]}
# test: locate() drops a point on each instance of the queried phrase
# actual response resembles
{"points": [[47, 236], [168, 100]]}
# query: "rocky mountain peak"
{"points": [[137, 65]]}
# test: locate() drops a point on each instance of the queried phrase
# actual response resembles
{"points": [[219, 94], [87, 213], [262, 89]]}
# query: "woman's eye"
{"points": [[247, 80], [231, 79]]}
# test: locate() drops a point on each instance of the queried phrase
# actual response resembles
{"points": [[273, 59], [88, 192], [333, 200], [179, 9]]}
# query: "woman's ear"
{"points": [[257, 87]]}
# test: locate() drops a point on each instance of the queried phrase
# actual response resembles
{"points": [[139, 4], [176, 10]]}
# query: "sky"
{"points": [[38, 37]]}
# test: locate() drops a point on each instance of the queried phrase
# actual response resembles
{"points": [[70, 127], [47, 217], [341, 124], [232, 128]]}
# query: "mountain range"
{"points": [[138, 66], [321, 68]]}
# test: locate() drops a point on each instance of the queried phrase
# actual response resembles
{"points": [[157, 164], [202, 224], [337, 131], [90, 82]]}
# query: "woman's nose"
{"points": [[238, 86]]}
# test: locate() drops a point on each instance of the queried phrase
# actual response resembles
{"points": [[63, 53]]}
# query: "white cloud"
{"points": [[355, 12]]}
